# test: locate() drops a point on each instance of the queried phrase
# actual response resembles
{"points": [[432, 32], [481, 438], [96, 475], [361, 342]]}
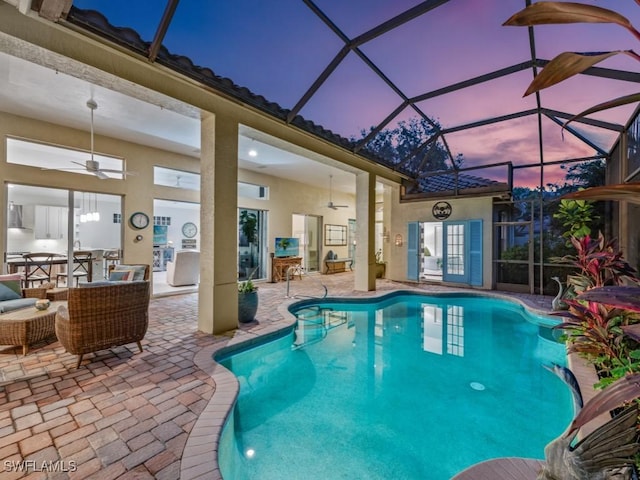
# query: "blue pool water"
{"points": [[410, 387]]}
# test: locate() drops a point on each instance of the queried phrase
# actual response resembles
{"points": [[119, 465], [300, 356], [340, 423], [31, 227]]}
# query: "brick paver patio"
{"points": [[126, 415]]}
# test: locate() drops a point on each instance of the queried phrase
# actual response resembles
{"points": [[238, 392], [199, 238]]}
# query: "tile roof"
{"points": [[452, 184], [98, 24]]}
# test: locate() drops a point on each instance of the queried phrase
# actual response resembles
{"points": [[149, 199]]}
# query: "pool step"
{"points": [[312, 314], [314, 323]]}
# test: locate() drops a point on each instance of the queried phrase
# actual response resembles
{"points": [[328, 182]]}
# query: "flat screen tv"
{"points": [[287, 247]]}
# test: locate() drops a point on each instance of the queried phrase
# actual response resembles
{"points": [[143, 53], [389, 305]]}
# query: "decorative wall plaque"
{"points": [[441, 210]]}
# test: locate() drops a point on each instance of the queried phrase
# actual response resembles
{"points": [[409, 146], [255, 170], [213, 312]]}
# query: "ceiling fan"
{"points": [[330, 204], [91, 165]]}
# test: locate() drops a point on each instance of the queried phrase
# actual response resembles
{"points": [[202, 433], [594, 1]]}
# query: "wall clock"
{"points": [[139, 220], [189, 229]]}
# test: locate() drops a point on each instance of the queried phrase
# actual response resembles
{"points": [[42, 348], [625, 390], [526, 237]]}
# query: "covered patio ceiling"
{"points": [[352, 71]]}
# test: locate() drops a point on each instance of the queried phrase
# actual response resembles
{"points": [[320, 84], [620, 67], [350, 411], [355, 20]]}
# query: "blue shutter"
{"points": [[413, 241], [475, 252]]}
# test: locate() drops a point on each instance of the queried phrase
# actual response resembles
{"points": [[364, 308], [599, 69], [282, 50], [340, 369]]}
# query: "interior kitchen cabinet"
{"points": [[50, 222]]}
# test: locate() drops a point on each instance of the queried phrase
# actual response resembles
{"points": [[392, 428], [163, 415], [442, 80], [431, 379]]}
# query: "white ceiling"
{"points": [[46, 93]]}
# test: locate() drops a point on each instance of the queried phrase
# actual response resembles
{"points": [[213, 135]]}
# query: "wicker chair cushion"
{"points": [[102, 283], [10, 287], [138, 270], [9, 305]]}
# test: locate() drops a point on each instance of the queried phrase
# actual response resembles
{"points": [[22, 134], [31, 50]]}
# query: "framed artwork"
{"points": [[335, 235]]}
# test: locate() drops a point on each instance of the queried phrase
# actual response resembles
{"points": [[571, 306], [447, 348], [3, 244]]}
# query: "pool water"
{"points": [[410, 387]]}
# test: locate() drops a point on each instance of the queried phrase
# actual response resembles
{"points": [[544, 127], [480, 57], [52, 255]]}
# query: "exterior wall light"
{"points": [[398, 240]]}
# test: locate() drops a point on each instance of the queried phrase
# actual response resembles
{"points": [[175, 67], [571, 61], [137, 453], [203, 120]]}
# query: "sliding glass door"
{"points": [[307, 228], [61, 221], [252, 258]]}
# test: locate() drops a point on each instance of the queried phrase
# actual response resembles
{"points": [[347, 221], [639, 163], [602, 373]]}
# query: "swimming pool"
{"points": [[403, 386]]}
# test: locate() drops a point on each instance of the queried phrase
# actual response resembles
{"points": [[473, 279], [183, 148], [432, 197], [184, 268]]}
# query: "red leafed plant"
{"points": [[596, 326], [599, 263], [619, 296]]}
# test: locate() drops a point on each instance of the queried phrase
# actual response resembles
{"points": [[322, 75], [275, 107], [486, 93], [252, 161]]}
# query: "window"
{"points": [[168, 177], [256, 192], [42, 155]]}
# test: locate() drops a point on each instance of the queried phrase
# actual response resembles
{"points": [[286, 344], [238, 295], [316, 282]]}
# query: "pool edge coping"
{"points": [[200, 454]]}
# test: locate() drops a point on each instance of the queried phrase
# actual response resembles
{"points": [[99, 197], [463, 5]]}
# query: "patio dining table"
{"points": [[14, 264]]}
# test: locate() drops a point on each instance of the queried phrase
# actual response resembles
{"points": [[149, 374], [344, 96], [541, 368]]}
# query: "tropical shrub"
{"points": [[596, 329], [575, 216], [598, 263]]}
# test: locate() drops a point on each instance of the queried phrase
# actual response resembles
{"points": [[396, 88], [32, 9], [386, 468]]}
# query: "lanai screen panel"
{"points": [[347, 66]]}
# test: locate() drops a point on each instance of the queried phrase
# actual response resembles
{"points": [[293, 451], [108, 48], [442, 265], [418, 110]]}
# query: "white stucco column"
{"points": [[218, 291], [365, 276]]}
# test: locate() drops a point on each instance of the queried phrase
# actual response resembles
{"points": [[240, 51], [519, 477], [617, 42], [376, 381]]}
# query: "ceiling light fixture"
{"points": [[252, 150]]}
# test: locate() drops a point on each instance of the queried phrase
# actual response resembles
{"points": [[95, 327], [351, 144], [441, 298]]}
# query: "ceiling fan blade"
{"points": [[83, 165], [341, 206], [100, 174]]}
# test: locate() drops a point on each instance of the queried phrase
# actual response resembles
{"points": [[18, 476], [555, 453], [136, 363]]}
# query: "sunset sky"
{"points": [[278, 48]]}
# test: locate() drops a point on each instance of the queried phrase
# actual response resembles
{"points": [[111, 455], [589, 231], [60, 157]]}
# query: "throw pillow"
{"points": [[138, 269], [121, 275], [10, 287]]}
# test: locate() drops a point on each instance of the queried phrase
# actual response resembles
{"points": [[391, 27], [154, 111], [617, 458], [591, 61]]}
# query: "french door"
{"points": [[461, 256]]}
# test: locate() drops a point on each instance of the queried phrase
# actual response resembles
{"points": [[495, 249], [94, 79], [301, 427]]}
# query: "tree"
{"points": [[586, 174], [405, 146], [576, 216]]}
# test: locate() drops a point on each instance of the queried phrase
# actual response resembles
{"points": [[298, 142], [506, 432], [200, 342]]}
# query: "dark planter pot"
{"points": [[380, 270], [247, 306]]}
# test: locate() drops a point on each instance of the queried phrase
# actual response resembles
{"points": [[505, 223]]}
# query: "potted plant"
{"points": [[381, 266], [247, 301]]}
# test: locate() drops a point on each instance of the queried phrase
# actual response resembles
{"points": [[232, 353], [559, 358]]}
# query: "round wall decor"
{"points": [[139, 220], [189, 229], [441, 210]]}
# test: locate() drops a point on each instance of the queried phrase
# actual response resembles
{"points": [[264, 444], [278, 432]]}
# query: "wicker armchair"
{"points": [[103, 316]]}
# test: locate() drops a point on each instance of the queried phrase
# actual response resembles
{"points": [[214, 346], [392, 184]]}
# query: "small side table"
{"points": [[28, 325]]}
